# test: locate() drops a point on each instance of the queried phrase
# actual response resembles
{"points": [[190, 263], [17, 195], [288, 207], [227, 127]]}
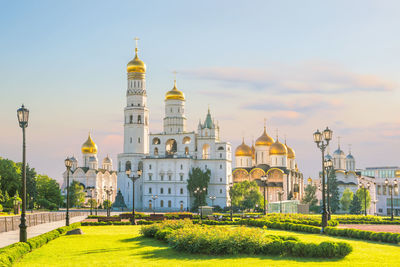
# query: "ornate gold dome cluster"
{"points": [[136, 65], [174, 94], [243, 150], [89, 147]]}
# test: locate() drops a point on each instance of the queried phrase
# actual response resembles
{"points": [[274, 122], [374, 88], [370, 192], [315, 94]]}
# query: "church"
{"points": [[167, 158], [96, 181]]}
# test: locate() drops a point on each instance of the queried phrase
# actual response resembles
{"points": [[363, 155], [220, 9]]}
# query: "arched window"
{"points": [[119, 166], [139, 119], [128, 166], [140, 165], [150, 190], [156, 141], [169, 203], [181, 191], [169, 190], [156, 151], [162, 190], [138, 140], [186, 151], [131, 119], [206, 151], [186, 140], [171, 147], [221, 148], [162, 203]]}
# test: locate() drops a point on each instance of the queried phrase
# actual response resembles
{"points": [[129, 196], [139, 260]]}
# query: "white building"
{"points": [[94, 180], [167, 158]]}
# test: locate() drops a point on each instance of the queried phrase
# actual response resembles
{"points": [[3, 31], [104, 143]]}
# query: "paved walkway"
{"points": [[8, 238], [373, 227]]}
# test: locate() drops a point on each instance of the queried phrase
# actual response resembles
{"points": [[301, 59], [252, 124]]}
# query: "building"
{"points": [[95, 181], [271, 158], [167, 158], [383, 192]]}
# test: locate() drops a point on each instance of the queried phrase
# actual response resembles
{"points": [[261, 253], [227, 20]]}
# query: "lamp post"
{"points": [[230, 196], [391, 187], [198, 191], [23, 116], [264, 180], [68, 165], [319, 139], [133, 178], [154, 197], [328, 166], [108, 192], [212, 200], [365, 186], [90, 188], [280, 193]]}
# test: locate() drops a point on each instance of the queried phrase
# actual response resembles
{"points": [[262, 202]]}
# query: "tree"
{"points": [[198, 179], [310, 195], [355, 206], [76, 194], [363, 194], [10, 177], [31, 190], [107, 204], [334, 191], [246, 195], [346, 199], [48, 192]]}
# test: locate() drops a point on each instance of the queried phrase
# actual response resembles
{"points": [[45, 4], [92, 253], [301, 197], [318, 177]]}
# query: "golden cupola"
{"points": [[278, 148], [136, 65], [290, 152], [174, 94], [89, 147], [253, 151], [243, 150], [265, 139]]}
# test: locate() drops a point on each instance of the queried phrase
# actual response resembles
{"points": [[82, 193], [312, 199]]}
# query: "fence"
{"points": [[10, 223]]}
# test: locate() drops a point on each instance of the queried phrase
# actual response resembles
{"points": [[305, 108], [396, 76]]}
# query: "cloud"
{"points": [[309, 78]]}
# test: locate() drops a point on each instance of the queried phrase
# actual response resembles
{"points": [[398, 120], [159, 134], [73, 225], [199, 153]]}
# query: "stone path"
{"points": [[8, 238], [373, 227]]}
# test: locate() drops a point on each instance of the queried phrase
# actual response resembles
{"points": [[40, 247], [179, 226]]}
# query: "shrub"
{"points": [[365, 235], [105, 223], [11, 253]]}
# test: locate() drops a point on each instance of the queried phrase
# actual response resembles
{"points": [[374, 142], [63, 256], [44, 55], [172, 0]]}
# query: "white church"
{"points": [[167, 158]]}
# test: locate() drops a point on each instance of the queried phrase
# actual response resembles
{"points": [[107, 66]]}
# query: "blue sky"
{"points": [[300, 64]]}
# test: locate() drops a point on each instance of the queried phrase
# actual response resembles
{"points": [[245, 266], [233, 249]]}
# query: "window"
{"points": [[181, 191], [149, 166], [131, 140], [169, 177], [181, 167], [186, 151], [131, 119], [161, 190], [186, 140], [162, 177], [169, 190], [139, 119], [220, 179], [150, 175], [379, 190], [220, 191], [170, 147], [220, 166], [220, 155], [138, 140], [205, 167], [178, 110], [128, 166], [156, 141], [156, 151], [150, 190], [206, 151], [181, 177], [169, 203], [162, 203], [384, 189]]}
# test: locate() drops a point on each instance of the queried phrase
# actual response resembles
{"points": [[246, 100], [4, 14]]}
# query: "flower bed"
{"points": [[188, 237]]}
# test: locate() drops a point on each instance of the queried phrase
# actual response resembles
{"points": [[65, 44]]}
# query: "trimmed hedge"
{"points": [[105, 223], [364, 235], [13, 252], [361, 219]]}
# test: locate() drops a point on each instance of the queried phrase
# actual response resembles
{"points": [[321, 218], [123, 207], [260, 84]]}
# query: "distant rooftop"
{"points": [[382, 168]]}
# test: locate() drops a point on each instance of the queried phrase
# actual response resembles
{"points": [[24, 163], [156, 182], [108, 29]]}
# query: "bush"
{"points": [[105, 223], [1, 207], [365, 235]]}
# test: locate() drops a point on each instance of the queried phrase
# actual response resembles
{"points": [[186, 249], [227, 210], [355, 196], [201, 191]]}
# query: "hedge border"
{"points": [[13, 252]]}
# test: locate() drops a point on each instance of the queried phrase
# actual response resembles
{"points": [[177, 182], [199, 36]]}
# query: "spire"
{"points": [[136, 47], [175, 72], [339, 137], [349, 149], [265, 125]]}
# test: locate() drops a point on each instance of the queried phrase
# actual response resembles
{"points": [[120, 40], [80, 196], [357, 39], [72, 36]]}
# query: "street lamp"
{"points": [[68, 165], [154, 200], [328, 166], [212, 200], [365, 186], [319, 140], [91, 188], [198, 191], [280, 193], [23, 116], [391, 186], [133, 178], [264, 180], [108, 192]]}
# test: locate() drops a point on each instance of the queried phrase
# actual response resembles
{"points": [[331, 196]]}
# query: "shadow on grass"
{"points": [[161, 250]]}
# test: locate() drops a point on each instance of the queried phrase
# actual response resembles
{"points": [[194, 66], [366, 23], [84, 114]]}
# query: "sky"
{"points": [[301, 65]]}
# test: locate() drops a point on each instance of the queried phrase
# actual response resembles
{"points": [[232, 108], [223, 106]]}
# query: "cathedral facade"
{"points": [[167, 158], [271, 159], [95, 180]]}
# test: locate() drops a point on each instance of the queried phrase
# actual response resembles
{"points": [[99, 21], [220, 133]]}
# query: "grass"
{"points": [[123, 246]]}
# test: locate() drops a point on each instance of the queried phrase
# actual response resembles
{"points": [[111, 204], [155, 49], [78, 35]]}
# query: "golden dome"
{"points": [[278, 148], [89, 147], [136, 65], [290, 152], [253, 151], [265, 139], [243, 150], [174, 94]]}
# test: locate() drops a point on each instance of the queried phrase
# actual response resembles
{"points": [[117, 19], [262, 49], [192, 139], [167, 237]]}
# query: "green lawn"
{"points": [[123, 246]]}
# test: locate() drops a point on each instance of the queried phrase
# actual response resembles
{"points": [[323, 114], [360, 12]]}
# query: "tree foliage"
{"points": [[246, 195], [346, 199], [363, 194], [333, 191], [48, 192], [355, 206], [310, 195], [76, 194], [10, 177], [198, 179]]}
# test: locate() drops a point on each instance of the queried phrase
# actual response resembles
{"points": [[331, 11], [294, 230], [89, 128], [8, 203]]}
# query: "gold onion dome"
{"points": [[278, 148], [264, 139], [243, 150], [136, 65], [89, 146], [174, 94], [253, 151], [290, 152]]}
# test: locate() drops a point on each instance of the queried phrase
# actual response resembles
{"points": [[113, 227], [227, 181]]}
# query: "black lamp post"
{"points": [[280, 194], [23, 116], [391, 186], [108, 192], [154, 197], [68, 164], [91, 188], [328, 166], [319, 140], [212, 200], [133, 178], [264, 180], [365, 186], [198, 191]]}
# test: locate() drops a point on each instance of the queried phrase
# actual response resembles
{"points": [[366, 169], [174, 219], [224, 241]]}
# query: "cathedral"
{"points": [[167, 158], [271, 159], [95, 181]]}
